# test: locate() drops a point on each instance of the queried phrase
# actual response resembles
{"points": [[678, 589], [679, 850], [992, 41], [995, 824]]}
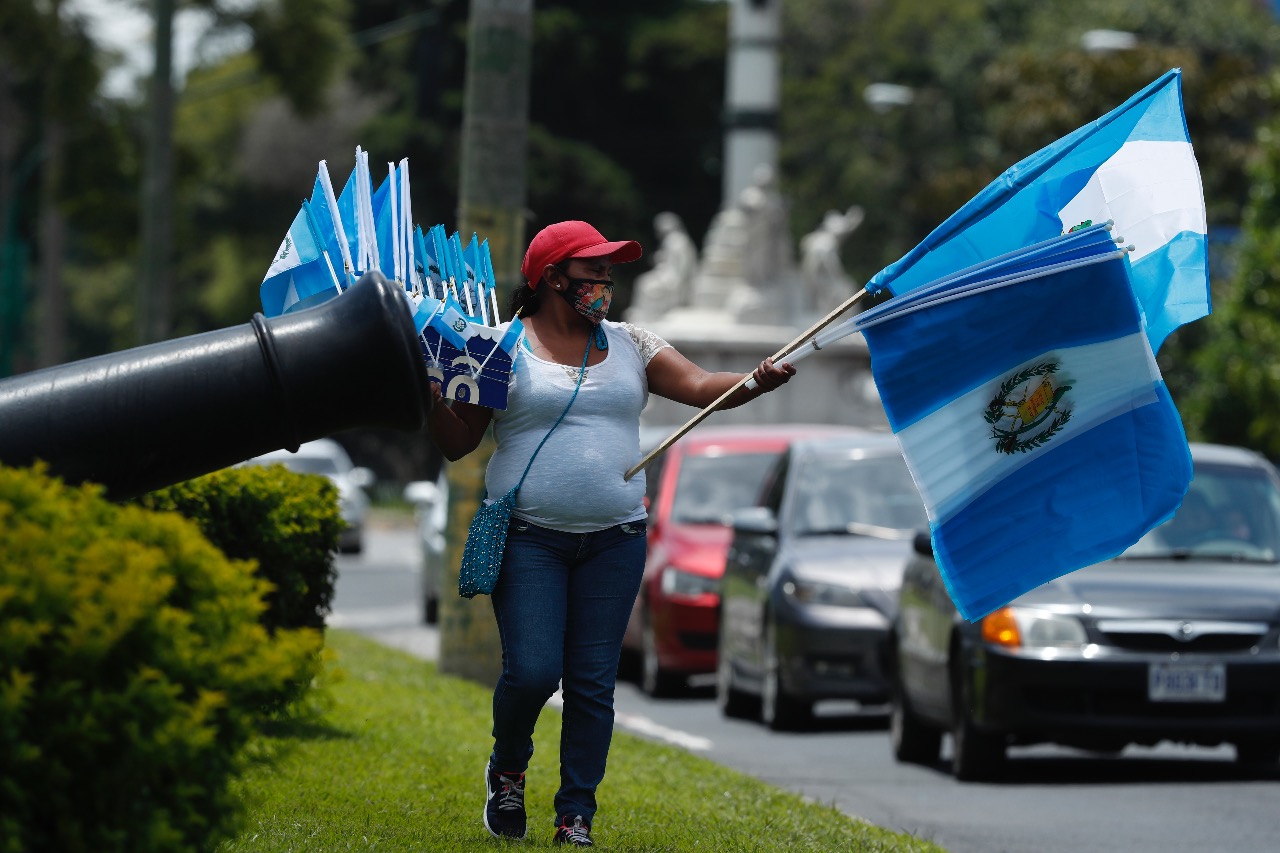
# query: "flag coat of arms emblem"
{"points": [[1035, 422]]}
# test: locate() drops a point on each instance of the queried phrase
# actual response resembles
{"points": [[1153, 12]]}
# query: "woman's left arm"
{"points": [[675, 377]]}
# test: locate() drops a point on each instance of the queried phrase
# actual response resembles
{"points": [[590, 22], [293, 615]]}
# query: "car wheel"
{"points": [[1260, 751], [654, 679], [914, 742], [779, 710], [975, 755], [731, 701]]}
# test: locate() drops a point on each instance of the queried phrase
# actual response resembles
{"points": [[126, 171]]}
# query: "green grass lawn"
{"points": [[395, 759]]}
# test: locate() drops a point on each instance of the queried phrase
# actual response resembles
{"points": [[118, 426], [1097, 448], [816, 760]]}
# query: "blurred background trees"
{"points": [[905, 107]]}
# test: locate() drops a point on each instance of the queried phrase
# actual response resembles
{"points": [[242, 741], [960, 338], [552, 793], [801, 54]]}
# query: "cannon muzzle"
{"points": [[159, 414]]}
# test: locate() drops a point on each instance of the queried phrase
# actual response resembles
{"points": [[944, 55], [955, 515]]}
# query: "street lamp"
{"points": [[885, 96], [1108, 41]]}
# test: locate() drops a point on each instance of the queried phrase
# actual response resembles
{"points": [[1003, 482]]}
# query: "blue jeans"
{"points": [[562, 603]]}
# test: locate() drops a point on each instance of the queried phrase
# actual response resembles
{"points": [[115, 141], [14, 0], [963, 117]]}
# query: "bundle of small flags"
{"points": [[450, 289]]}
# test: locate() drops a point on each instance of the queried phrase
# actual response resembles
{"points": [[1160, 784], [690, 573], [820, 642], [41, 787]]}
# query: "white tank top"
{"points": [[575, 484]]}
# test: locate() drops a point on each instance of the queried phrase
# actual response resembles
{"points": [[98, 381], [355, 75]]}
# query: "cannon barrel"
{"points": [[159, 414]]}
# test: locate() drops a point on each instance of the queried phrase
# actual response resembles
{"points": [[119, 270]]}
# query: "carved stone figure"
{"points": [[826, 284], [768, 246], [675, 262]]}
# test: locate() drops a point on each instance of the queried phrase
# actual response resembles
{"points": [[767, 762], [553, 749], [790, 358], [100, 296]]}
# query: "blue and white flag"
{"points": [[332, 231], [428, 269], [1135, 167], [386, 220], [345, 242], [299, 275], [1035, 422], [491, 281]]}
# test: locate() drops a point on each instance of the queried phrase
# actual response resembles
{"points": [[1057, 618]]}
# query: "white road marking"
{"points": [[648, 728], [376, 617]]}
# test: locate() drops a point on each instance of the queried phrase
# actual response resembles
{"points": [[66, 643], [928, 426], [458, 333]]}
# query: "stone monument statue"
{"points": [[768, 242], [825, 283], [745, 298], [747, 272], [666, 287]]}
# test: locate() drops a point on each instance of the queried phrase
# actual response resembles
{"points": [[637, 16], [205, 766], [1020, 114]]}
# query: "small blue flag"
{"points": [[384, 228], [428, 269], [347, 211], [299, 275]]}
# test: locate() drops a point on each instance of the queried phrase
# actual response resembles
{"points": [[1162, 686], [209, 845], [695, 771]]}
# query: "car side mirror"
{"points": [[362, 477], [759, 520], [922, 544]]}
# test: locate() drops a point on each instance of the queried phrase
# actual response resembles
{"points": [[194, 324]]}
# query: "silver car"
{"points": [[811, 580], [1176, 639], [325, 456], [430, 499]]}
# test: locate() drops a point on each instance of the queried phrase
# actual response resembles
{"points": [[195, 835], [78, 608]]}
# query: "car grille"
{"points": [[1173, 635]]}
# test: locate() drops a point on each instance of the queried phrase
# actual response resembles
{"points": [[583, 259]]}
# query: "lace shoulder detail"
{"points": [[646, 341]]}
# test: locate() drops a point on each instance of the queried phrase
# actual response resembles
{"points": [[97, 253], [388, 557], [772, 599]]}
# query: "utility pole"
{"points": [[491, 202], [11, 279], [155, 285], [52, 341]]}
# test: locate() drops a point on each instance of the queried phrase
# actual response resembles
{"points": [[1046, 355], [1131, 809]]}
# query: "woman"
{"points": [[575, 547]]}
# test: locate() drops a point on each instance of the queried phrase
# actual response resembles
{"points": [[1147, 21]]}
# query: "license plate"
{"points": [[1187, 682]]}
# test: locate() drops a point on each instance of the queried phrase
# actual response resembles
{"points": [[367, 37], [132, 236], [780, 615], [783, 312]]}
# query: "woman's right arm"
{"points": [[456, 427]]}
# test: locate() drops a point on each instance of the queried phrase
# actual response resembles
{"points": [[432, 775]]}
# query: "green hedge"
{"points": [[288, 522], [134, 663]]}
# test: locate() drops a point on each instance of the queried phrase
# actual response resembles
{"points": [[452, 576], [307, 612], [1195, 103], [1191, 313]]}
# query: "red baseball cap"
{"points": [[573, 239]]}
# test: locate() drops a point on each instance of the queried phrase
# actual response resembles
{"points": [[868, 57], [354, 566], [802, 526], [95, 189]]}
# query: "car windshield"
{"points": [[304, 464], [710, 487], [1230, 512], [873, 496]]}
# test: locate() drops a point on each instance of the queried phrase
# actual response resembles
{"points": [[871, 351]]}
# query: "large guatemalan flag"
{"points": [[1032, 414], [1133, 166]]}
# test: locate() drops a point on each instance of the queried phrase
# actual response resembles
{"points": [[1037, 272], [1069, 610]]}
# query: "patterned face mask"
{"points": [[590, 297]]}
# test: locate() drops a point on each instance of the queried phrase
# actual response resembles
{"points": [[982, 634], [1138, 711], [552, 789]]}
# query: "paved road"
{"points": [[1053, 801], [1164, 800]]}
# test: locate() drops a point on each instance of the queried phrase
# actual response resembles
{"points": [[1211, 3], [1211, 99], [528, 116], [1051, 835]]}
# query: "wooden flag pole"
{"points": [[782, 353]]}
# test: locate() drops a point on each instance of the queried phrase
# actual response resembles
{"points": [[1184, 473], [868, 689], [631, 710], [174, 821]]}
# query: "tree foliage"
{"points": [[625, 122], [1234, 376], [992, 84]]}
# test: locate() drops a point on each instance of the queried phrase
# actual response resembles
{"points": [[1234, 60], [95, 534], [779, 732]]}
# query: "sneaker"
{"points": [[576, 834], [504, 815]]}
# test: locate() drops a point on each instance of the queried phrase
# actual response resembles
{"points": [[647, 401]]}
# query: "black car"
{"points": [[811, 579], [1177, 639]]}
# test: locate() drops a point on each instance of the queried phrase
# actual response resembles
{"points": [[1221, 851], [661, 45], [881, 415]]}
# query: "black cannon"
{"points": [[159, 414]]}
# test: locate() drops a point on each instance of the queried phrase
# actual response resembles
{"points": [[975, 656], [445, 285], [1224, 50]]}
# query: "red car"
{"points": [[692, 489]]}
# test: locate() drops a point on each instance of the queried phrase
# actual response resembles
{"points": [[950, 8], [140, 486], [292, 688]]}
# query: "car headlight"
{"points": [[1025, 628], [816, 592], [677, 582]]}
